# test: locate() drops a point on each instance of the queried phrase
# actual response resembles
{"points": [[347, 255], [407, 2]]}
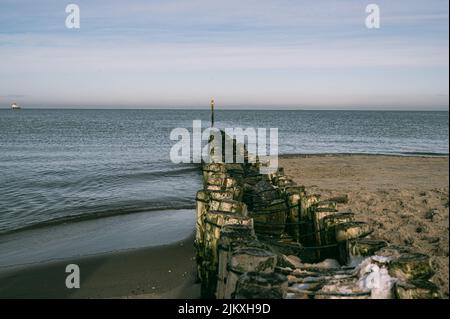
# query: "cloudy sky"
{"points": [[246, 53]]}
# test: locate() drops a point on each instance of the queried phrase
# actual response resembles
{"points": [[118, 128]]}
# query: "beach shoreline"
{"points": [[404, 198], [166, 271], [414, 154]]}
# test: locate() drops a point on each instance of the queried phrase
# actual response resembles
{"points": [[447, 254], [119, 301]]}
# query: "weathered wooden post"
{"points": [[212, 112]]}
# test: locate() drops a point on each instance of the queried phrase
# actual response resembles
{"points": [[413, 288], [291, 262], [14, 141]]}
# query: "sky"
{"points": [[245, 53]]}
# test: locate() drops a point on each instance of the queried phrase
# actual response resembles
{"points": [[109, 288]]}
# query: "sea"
{"points": [[78, 182]]}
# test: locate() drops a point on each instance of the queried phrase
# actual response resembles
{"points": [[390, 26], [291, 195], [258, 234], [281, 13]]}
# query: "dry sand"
{"points": [[404, 198]]}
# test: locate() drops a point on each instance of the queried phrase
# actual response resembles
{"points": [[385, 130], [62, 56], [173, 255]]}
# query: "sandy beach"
{"points": [[404, 198], [161, 272]]}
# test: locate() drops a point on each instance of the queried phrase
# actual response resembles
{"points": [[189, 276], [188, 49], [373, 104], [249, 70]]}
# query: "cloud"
{"points": [[186, 57], [12, 96]]}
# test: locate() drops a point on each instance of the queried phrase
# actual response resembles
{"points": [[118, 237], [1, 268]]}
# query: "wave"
{"points": [[424, 153], [436, 154], [97, 214], [119, 174], [99, 182]]}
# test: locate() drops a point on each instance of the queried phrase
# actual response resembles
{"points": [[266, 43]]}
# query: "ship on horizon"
{"points": [[15, 106]]}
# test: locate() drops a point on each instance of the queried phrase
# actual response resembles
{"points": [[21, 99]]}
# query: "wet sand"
{"points": [[404, 198], [159, 272]]}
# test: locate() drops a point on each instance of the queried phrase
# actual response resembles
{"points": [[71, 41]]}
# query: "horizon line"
{"points": [[179, 108]]}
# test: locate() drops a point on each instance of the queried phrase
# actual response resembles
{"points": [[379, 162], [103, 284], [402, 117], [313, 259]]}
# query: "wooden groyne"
{"points": [[263, 236]]}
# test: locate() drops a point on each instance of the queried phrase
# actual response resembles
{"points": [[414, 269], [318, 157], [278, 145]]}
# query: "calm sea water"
{"points": [[62, 166]]}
